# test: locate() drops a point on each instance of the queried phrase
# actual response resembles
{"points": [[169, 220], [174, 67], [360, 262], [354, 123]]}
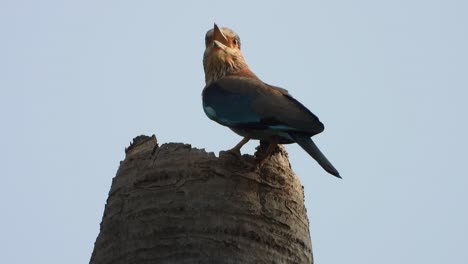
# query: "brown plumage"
{"points": [[223, 56]]}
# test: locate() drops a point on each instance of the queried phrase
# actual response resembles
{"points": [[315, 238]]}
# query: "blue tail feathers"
{"points": [[309, 146]]}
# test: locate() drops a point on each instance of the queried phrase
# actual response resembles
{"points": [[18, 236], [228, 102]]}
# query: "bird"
{"points": [[235, 97]]}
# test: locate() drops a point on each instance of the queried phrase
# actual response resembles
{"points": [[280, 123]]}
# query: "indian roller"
{"points": [[235, 97]]}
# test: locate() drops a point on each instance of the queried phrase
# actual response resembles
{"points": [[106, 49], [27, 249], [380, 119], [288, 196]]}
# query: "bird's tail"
{"points": [[309, 146]]}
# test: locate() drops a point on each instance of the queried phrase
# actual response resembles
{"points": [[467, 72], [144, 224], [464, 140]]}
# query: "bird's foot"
{"points": [[235, 152], [262, 162], [236, 149], [238, 159], [263, 155]]}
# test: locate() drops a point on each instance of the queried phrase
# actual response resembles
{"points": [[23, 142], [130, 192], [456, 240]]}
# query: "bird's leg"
{"points": [[236, 150], [271, 147]]}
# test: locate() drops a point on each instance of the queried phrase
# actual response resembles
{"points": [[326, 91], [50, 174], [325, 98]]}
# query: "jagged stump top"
{"points": [[177, 204]]}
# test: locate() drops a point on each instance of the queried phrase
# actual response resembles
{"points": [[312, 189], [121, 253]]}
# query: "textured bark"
{"points": [[178, 204]]}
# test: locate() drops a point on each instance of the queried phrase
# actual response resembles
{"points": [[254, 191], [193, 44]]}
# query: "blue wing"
{"points": [[241, 102]]}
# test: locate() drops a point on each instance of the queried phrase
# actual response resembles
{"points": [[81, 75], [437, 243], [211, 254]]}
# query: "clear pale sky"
{"points": [[80, 79]]}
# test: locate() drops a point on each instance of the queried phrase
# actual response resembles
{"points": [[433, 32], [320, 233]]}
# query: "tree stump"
{"points": [[177, 204]]}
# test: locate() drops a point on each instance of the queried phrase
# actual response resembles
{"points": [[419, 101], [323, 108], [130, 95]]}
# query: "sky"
{"points": [[80, 79]]}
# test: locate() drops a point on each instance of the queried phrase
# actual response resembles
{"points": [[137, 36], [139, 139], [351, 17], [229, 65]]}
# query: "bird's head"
{"points": [[222, 54]]}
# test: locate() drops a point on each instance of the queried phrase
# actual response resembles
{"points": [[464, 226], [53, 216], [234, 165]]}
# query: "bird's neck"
{"points": [[215, 70]]}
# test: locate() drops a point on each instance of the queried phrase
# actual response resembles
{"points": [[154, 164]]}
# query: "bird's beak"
{"points": [[219, 39]]}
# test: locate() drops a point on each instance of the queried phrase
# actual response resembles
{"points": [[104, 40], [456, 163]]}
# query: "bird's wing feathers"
{"points": [[250, 103]]}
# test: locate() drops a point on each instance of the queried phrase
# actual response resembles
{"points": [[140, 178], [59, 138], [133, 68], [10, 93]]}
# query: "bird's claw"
{"points": [[238, 157], [235, 152]]}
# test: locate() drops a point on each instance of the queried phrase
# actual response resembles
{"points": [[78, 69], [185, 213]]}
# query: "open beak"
{"points": [[219, 39]]}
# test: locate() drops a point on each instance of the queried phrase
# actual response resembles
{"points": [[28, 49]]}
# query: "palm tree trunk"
{"points": [[178, 204]]}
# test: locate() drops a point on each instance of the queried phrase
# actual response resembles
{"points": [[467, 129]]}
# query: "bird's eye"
{"points": [[235, 42]]}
